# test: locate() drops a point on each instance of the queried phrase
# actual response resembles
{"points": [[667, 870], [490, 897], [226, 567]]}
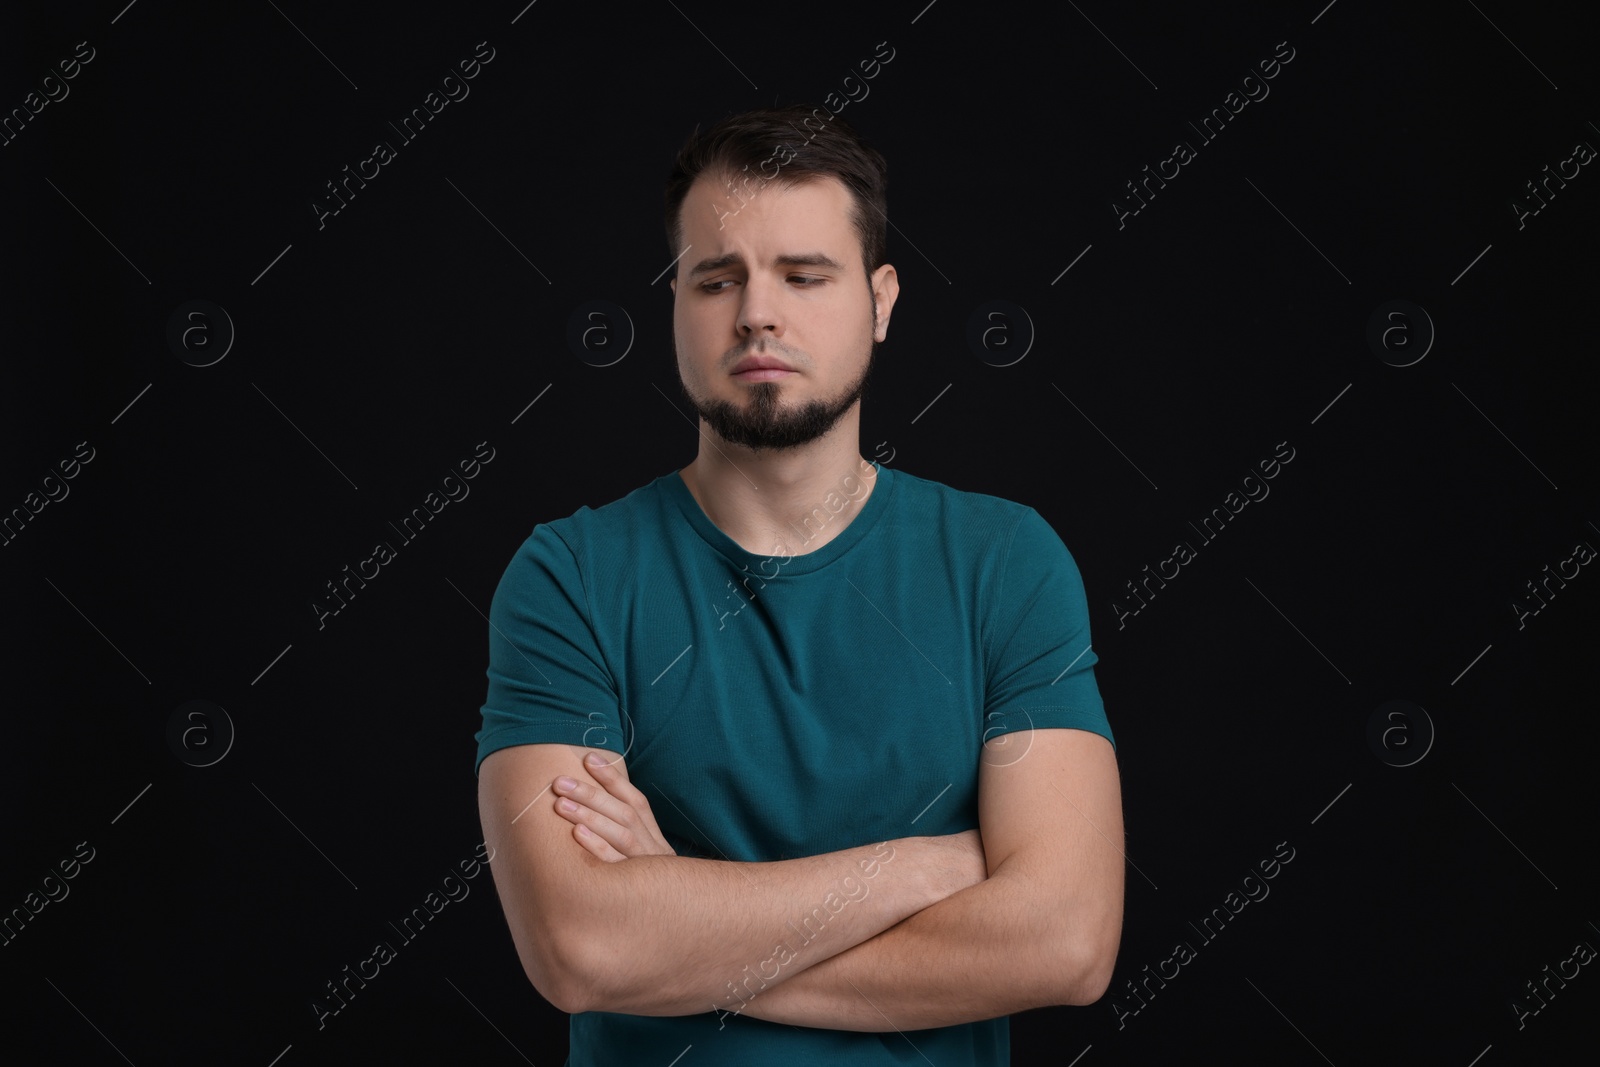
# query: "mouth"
{"points": [[760, 369]]}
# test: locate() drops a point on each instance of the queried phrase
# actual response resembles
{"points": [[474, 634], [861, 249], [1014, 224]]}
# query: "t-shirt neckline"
{"points": [[672, 484]]}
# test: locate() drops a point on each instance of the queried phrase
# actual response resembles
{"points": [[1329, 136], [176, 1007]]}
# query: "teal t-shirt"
{"points": [[792, 704]]}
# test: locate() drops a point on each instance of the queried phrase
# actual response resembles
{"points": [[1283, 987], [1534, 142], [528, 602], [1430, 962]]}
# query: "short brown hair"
{"points": [[791, 145]]}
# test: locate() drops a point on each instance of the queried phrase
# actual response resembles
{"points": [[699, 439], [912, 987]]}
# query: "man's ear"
{"points": [[885, 290], [672, 283]]}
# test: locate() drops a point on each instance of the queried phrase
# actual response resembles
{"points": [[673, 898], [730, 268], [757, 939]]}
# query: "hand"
{"points": [[613, 821]]}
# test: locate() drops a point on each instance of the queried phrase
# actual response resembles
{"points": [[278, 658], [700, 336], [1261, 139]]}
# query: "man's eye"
{"points": [[808, 279], [712, 287]]}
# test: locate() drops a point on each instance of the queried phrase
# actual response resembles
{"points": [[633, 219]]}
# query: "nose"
{"points": [[759, 311]]}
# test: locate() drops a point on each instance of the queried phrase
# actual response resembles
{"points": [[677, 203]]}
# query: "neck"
{"points": [[782, 502]]}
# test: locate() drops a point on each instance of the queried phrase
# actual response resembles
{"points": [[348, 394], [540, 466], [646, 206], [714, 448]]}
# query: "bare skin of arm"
{"points": [[674, 935], [1043, 929]]}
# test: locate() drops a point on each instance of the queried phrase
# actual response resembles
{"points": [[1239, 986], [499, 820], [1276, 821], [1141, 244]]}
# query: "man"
{"points": [[850, 795]]}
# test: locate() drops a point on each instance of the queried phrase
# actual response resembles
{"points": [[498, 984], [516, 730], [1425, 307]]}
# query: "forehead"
{"points": [[769, 219]]}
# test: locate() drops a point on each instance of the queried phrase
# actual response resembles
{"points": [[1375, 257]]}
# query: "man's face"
{"points": [[781, 277]]}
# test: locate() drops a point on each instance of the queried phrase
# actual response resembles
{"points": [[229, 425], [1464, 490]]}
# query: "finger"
{"points": [[615, 797], [596, 797], [609, 830], [596, 845], [604, 759], [610, 772]]}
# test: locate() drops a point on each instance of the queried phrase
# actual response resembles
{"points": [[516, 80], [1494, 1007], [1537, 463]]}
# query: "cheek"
{"points": [[689, 332], [679, 347], [852, 333], [690, 339]]}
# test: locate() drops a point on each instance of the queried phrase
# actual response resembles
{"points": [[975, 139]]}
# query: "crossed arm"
{"points": [[947, 929], [1042, 929]]}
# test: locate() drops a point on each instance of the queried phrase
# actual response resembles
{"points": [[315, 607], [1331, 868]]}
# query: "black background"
{"points": [[374, 353]]}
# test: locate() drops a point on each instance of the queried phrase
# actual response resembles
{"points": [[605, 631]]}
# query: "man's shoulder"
{"points": [[638, 507], [594, 537], [962, 508], [975, 526]]}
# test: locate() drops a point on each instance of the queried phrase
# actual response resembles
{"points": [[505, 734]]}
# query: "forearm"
{"points": [[978, 954], [675, 935]]}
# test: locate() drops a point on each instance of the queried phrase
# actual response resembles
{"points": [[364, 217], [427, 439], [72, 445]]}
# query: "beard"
{"points": [[762, 422]]}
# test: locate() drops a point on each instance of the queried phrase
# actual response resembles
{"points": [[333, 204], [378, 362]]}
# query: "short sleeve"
{"points": [[548, 681], [1039, 657]]}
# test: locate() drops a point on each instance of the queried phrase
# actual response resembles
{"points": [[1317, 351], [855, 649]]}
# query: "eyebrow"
{"points": [[807, 259]]}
